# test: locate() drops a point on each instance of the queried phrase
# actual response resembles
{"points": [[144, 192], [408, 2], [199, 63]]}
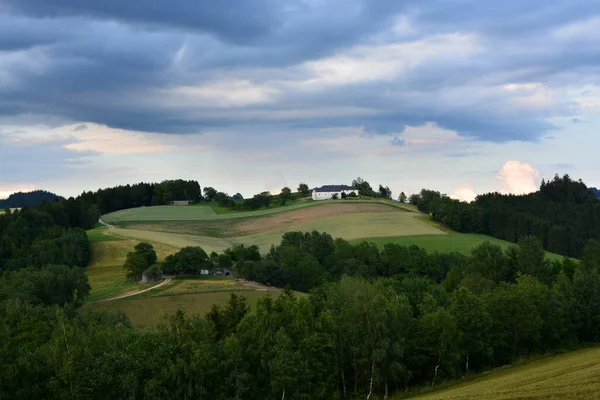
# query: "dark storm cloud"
{"points": [[105, 61]]}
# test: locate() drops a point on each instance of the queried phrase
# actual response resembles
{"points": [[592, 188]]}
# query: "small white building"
{"points": [[327, 192], [181, 202]]}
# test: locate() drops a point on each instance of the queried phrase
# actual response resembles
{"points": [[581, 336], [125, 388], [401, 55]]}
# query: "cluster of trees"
{"points": [[20, 199], [141, 194], [260, 200], [564, 214], [365, 189], [400, 321]]}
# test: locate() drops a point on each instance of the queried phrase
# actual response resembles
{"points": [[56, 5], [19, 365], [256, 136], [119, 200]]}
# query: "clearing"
{"points": [[574, 375]]}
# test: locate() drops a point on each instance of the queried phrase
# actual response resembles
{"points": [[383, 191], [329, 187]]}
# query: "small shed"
{"points": [[181, 202]]}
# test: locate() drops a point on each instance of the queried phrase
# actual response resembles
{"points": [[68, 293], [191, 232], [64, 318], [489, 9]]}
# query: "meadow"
{"points": [[145, 310], [349, 226], [575, 375]]}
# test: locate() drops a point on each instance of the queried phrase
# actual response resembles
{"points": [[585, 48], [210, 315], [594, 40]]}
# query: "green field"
{"points": [[145, 311], [191, 213], [452, 242], [574, 375]]}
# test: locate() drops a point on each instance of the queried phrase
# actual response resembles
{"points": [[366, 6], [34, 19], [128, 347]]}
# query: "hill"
{"points": [[569, 376], [28, 199], [596, 191], [201, 226]]}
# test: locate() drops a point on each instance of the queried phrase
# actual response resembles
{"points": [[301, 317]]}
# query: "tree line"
{"points": [[564, 214]]}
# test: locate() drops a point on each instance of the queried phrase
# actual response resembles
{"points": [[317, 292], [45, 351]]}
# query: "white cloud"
{"points": [[464, 193], [518, 178], [388, 61]]}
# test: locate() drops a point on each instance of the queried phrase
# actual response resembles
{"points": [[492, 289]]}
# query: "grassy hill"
{"points": [[200, 226], [574, 375]]}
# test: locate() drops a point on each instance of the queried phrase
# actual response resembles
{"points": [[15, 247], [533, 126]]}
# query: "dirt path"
{"points": [[163, 283], [108, 228]]}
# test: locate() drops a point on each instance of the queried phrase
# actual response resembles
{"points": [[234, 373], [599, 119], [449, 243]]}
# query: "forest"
{"points": [[34, 198], [563, 214], [372, 323]]}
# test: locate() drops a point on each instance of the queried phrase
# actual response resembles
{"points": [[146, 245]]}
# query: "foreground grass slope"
{"points": [[574, 375]]}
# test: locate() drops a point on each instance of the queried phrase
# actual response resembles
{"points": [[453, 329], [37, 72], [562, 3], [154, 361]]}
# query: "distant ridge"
{"points": [[20, 199], [596, 191]]}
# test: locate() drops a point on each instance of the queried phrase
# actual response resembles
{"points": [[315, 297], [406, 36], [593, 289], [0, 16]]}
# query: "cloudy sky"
{"points": [[463, 96]]}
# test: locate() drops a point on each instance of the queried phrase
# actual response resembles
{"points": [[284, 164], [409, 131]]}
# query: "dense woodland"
{"points": [[564, 215], [34, 198], [374, 321]]}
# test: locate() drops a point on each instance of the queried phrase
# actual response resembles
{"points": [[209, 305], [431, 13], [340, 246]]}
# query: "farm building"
{"points": [[181, 202], [327, 192]]}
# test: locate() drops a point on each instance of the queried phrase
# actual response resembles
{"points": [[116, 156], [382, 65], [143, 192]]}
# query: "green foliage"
{"points": [[49, 285], [402, 197], [138, 261], [304, 190], [188, 260]]}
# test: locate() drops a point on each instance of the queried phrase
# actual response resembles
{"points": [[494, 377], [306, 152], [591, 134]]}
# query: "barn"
{"points": [[326, 192]]}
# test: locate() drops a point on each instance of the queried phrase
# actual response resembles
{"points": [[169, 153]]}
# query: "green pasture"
{"points": [[574, 376], [452, 242], [145, 311]]}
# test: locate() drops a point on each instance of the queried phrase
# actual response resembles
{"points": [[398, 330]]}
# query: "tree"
{"points": [[402, 197], [147, 251], [334, 196], [303, 189], [210, 193], [285, 195], [135, 265], [225, 261], [364, 188], [385, 192]]}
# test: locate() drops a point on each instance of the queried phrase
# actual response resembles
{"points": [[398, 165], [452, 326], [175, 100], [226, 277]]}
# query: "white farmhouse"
{"points": [[327, 192]]}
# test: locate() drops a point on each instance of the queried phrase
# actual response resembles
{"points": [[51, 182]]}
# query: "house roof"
{"points": [[334, 188]]}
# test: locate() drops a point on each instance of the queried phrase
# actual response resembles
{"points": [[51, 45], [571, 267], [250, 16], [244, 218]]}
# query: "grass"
{"points": [[206, 212], [198, 284], [574, 375], [145, 312], [191, 213], [350, 227], [452, 242], [98, 235], [105, 273]]}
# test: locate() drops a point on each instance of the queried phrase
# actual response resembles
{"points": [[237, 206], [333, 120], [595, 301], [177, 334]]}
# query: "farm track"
{"points": [[123, 296]]}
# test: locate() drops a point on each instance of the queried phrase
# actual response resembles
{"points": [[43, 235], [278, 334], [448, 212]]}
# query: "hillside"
{"points": [[28, 199], [201, 226], [569, 376], [596, 191]]}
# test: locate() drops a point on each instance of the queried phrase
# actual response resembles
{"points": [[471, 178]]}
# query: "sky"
{"points": [[461, 96]]}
